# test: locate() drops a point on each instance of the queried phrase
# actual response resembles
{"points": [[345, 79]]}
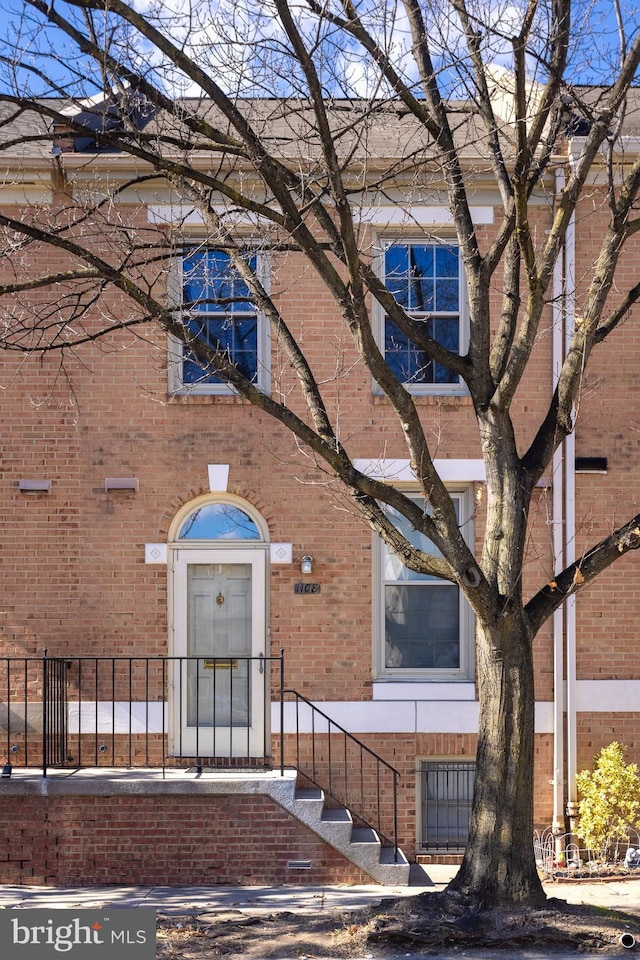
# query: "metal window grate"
{"points": [[447, 794]]}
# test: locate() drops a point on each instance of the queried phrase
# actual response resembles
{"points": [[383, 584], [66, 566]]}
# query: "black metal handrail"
{"points": [[80, 712], [83, 712], [348, 771]]}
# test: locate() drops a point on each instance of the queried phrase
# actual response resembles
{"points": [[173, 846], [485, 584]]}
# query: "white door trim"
{"points": [[251, 741]]}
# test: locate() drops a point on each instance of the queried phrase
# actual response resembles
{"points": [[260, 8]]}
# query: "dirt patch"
{"points": [[230, 934], [428, 922]]}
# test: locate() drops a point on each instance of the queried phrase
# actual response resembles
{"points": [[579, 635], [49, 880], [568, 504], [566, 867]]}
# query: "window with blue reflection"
{"points": [[421, 611], [424, 278], [219, 521], [218, 310]]}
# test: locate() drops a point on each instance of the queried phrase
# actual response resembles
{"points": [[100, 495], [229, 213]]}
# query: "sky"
{"points": [[230, 49]]}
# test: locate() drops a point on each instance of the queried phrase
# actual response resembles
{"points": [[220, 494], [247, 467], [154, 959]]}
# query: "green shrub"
{"points": [[610, 802]]}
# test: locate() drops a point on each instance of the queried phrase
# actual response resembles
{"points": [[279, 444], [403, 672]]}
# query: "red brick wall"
{"points": [[73, 571], [598, 730], [404, 752], [161, 840], [607, 426]]}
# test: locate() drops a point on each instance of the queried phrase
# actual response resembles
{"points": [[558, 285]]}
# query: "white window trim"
{"points": [[175, 346], [398, 470], [465, 672], [381, 215], [378, 314]]}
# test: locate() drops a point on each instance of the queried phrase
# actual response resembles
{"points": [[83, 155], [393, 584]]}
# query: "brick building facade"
{"points": [[141, 500]]}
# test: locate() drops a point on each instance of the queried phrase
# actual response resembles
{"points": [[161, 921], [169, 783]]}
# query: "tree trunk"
{"points": [[499, 865]]}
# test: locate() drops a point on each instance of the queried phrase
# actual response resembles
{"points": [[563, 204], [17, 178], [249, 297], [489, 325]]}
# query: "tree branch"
{"points": [[579, 574]]}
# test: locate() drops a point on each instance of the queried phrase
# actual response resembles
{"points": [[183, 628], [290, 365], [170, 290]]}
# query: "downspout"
{"points": [[557, 528], [570, 540]]}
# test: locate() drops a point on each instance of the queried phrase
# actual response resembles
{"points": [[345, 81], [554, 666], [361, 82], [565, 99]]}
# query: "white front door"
{"points": [[220, 683]]}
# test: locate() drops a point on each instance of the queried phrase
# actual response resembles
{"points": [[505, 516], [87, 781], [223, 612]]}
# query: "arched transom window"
{"points": [[219, 520]]}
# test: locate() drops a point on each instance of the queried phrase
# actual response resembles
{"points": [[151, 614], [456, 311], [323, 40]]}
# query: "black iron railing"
{"points": [[348, 771], [163, 712], [82, 712], [54, 711]]}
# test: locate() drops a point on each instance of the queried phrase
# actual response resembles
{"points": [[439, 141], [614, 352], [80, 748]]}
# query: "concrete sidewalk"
{"points": [[177, 900], [616, 895], [619, 895], [250, 899]]}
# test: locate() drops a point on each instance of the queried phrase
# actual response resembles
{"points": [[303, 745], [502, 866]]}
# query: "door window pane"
{"points": [[218, 644]]}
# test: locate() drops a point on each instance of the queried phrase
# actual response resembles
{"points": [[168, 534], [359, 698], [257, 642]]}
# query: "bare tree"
{"points": [[280, 128]]}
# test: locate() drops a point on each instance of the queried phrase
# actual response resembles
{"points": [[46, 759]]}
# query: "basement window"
{"points": [[446, 791]]}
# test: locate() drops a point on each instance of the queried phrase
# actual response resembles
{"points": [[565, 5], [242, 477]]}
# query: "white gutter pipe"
{"points": [[570, 539], [557, 533]]}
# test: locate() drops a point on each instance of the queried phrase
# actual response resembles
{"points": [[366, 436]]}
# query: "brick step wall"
{"points": [[161, 840]]}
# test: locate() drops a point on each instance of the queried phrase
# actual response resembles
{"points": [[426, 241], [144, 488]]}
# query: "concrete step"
{"points": [[310, 794], [364, 835], [336, 815], [308, 806], [361, 845], [336, 824], [388, 855]]}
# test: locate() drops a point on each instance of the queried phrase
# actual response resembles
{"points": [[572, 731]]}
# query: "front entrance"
{"points": [[220, 631], [219, 677]]}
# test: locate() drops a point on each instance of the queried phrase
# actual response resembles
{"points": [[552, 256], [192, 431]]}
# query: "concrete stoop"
{"points": [[362, 846], [335, 826]]}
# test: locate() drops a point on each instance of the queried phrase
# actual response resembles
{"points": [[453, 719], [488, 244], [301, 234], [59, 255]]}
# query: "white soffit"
{"points": [[12, 193], [430, 690], [105, 717], [401, 716], [183, 215], [399, 470]]}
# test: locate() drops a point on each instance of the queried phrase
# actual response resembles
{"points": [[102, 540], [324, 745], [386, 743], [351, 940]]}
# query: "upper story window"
{"points": [[428, 281], [217, 308], [425, 627]]}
